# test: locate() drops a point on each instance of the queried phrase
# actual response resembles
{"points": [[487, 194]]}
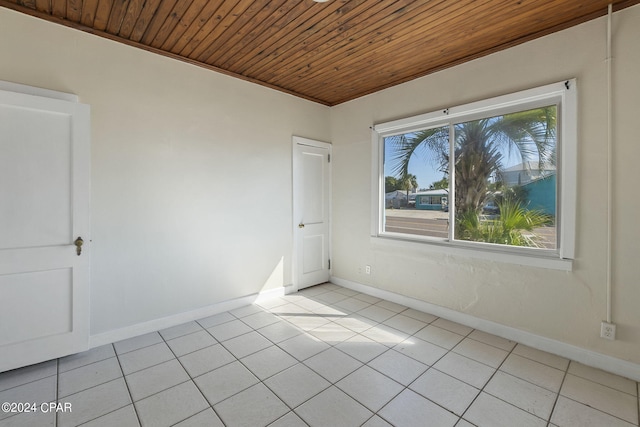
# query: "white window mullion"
{"points": [[452, 181], [377, 184]]}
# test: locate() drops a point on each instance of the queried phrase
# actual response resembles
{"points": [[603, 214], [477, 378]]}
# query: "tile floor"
{"points": [[327, 356]]}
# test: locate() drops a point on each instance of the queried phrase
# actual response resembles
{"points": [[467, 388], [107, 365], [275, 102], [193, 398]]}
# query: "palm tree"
{"points": [[390, 184], [479, 147], [475, 162], [407, 182]]}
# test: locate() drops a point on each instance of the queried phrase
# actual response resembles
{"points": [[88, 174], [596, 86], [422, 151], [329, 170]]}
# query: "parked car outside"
{"points": [[490, 208]]}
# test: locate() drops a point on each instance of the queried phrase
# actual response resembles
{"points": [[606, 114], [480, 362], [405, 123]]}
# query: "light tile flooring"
{"points": [[327, 356]]}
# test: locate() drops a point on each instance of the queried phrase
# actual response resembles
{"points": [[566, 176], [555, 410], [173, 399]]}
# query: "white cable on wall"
{"points": [[609, 168]]}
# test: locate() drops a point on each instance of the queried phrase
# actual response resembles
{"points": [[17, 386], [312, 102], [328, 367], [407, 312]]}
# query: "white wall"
{"points": [[192, 187], [191, 171], [564, 306]]}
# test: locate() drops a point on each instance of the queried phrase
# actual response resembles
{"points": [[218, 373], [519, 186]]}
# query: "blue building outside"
{"points": [[432, 200], [541, 194]]}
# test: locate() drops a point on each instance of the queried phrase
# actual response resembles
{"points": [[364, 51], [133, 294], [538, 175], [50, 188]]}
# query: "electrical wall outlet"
{"points": [[608, 330], [367, 269]]}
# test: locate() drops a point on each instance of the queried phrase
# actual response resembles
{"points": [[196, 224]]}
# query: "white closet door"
{"points": [[44, 209]]}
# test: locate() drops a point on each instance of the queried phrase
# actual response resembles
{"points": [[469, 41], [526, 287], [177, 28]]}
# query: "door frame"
{"points": [[297, 141]]}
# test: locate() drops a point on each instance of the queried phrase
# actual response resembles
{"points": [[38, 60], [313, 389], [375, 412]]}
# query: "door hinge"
{"points": [[328, 158], [329, 264]]}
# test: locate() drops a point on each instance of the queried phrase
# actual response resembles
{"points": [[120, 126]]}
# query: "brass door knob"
{"points": [[301, 225], [78, 242]]}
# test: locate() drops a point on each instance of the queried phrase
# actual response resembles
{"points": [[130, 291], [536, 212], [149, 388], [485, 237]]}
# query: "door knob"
{"points": [[78, 242], [301, 225]]}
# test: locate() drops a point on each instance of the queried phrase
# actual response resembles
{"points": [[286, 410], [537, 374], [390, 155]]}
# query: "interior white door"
{"points": [[311, 191], [44, 209]]}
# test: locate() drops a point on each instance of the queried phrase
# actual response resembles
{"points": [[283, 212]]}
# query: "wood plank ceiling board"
{"points": [[402, 47], [118, 11], [360, 59], [253, 34], [228, 28], [89, 9], [101, 18], [144, 19], [321, 41], [198, 30], [329, 52], [58, 8], [157, 21], [285, 19], [44, 5], [130, 18]]}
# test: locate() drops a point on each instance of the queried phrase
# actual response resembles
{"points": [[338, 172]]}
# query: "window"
{"points": [[496, 175]]}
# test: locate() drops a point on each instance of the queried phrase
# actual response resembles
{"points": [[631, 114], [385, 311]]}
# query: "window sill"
{"points": [[539, 261]]}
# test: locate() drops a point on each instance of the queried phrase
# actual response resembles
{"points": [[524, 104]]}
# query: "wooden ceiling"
{"points": [[327, 52]]}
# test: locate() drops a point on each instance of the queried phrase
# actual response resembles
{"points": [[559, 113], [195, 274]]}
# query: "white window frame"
{"points": [[564, 95]]}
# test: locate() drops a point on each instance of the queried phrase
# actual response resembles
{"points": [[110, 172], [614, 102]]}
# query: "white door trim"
{"points": [[36, 91], [300, 141]]}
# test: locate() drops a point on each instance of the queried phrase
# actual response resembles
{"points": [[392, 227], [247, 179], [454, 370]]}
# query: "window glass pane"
{"points": [[505, 179], [416, 166]]}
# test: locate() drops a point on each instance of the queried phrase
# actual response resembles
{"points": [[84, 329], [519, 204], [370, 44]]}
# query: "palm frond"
{"points": [[430, 144], [532, 133]]}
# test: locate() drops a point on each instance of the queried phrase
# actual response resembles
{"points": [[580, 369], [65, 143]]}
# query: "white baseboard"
{"points": [[177, 319], [587, 357], [289, 289]]}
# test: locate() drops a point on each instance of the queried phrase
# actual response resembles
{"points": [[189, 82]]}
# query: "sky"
{"points": [[420, 167]]}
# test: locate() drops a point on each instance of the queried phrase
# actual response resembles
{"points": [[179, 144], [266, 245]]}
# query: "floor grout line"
{"points": [[126, 383], [191, 379]]}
